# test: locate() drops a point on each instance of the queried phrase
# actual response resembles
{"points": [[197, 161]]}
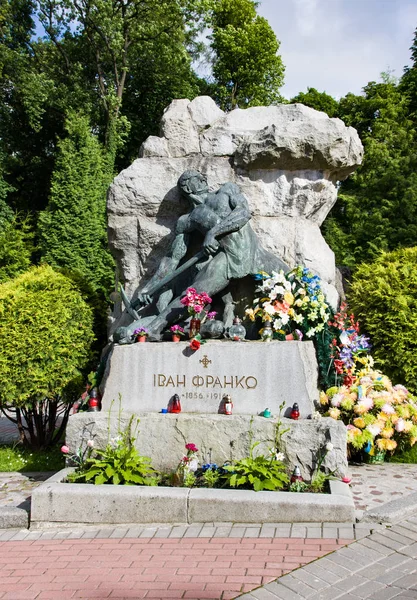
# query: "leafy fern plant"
{"points": [[119, 463]]}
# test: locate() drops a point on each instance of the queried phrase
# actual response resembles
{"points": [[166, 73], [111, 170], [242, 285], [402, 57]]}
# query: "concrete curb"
{"points": [[54, 502], [12, 517], [392, 512]]}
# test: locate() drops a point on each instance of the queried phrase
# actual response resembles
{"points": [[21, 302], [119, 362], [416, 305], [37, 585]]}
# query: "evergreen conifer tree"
{"points": [[72, 229]]}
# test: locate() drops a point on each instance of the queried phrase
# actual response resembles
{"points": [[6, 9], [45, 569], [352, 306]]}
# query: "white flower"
{"points": [[344, 338], [193, 465], [310, 332], [277, 324], [316, 416], [268, 308], [279, 456], [329, 446], [90, 443], [336, 400], [388, 409], [374, 429], [284, 318]]}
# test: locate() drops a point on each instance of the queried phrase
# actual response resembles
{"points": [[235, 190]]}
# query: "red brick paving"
{"points": [[118, 569]]}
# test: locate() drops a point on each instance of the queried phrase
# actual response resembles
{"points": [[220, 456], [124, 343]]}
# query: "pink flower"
{"points": [[198, 308], [65, 449], [399, 425], [211, 315], [90, 444]]}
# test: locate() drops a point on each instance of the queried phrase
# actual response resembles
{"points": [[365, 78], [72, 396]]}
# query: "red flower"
{"points": [[191, 447], [338, 366], [195, 344]]}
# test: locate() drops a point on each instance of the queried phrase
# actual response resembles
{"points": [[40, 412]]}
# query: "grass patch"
{"points": [[17, 458]]}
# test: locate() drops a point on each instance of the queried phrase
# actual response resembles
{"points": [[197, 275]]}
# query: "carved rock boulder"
{"points": [[287, 160]]}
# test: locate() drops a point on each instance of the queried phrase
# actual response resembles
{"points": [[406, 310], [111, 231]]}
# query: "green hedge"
{"points": [[383, 296]]}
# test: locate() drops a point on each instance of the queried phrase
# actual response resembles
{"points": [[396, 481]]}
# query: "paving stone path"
{"points": [[382, 566], [196, 562]]}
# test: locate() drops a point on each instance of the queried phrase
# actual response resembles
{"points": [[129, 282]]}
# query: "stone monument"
{"points": [[285, 159], [260, 180]]}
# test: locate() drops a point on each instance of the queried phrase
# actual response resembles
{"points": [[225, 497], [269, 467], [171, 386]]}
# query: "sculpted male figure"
{"points": [[231, 245]]}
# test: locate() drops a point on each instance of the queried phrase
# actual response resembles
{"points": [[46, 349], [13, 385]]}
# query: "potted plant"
{"points": [[177, 331], [141, 334]]}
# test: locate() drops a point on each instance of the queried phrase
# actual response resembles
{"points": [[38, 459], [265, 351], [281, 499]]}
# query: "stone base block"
{"points": [[12, 517], [256, 374], [220, 438], [57, 503]]}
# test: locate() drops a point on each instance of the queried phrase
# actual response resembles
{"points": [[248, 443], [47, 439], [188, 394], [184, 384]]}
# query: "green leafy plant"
{"points": [[189, 479], [210, 478], [256, 473], [119, 463], [298, 486]]}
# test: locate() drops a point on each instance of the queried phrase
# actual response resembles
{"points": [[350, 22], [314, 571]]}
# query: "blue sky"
{"points": [[338, 46]]}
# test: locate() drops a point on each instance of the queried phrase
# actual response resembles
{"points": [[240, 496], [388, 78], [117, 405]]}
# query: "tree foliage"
{"points": [[246, 67], [377, 206], [72, 229], [383, 295], [16, 247], [318, 100]]}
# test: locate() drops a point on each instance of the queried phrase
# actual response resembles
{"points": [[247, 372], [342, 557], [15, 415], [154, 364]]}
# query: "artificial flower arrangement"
{"points": [[196, 304], [376, 412], [349, 351], [177, 332], [293, 302], [140, 332]]}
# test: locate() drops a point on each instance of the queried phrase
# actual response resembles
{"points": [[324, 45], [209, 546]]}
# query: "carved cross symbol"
{"points": [[205, 361]]}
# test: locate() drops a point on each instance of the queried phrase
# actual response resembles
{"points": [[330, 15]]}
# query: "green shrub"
{"points": [[383, 296], [45, 339]]}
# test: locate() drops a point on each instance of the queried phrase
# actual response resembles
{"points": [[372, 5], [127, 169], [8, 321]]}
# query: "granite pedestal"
{"points": [[257, 375]]}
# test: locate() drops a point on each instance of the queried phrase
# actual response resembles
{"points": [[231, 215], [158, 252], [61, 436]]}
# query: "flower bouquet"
{"points": [[349, 351], [196, 305], [379, 415], [292, 302]]}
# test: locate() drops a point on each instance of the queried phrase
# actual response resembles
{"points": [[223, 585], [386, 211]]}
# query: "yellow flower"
{"points": [[250, 313], [289, 298], [413, 441], [391, 444], [387, 432], [323, 398], [407, 426], [359, 422], [334, 413], [382, 444]]}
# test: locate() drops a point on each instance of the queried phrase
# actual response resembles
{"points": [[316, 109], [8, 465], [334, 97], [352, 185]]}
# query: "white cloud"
{"points": [[338, 46]]}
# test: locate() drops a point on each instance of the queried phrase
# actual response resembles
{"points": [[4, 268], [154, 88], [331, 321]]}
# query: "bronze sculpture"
{"points": [[230, 250]]}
